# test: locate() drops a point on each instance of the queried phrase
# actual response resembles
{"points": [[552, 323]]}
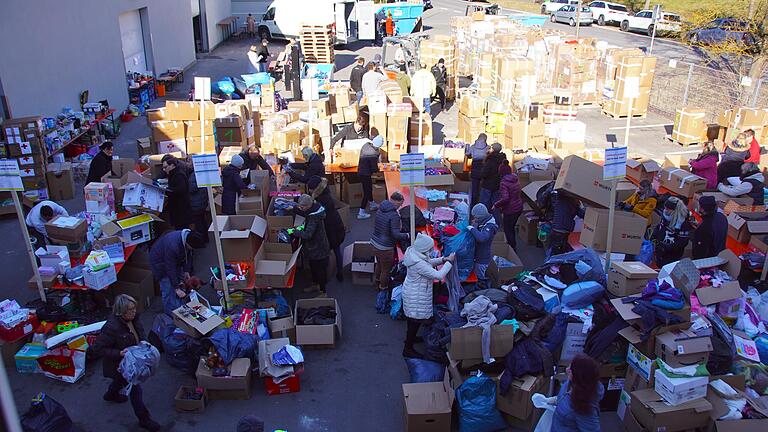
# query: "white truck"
{"points": [[352, 19], [605, 12]]}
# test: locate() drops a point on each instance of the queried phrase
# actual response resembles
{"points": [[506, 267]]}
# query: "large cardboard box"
{"points": [[428, 406], [676, 391], [584, 180], [201, 145], [61, 182], [629, 277], [182, 405], [720, 408], [681, 182], [690, 126], [683, 348], [472, 106], [236, 385], [276, 223], [132, 230], [628, 231], [66, 229], [712, 295], [163, 131], [504, 274], [100, 279], [192, 128], [528, 228], [273, 264], [240, 236], [137, 283], [642, 169], [359, 256], [320, 334], [466, 343], [654, 414], [196, 319], [517, 401]]}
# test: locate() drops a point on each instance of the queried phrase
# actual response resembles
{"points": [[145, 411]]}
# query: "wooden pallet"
{"points": [[682, 144], [617, 116]]}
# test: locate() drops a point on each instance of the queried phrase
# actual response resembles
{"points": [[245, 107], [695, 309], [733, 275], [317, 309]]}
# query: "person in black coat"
{"points": [[253, 160], [101, 164], [177, 203], [356, 130], [709, 238], [334, 225], [672, 234], [232, 184], [313, 167], [565, 209], [122, 330], [491, 179], [356, 78], [441, 81], [264, 56]]}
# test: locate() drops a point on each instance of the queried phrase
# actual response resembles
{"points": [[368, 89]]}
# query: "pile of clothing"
{"points": [[323, 315]]}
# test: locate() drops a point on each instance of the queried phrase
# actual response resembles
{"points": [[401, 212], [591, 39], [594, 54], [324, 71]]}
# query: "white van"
{"points": [[353, 19]]}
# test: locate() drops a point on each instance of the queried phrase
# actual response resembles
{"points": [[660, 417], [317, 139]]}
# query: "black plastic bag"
{"points": [[46, 415]]}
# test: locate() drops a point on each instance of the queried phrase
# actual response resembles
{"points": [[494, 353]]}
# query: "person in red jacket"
{"points": [[754, 147], [705, 165], [510, 203]]}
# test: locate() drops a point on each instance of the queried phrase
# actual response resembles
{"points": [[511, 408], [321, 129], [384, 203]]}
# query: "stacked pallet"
{"points": [[317, 43]]}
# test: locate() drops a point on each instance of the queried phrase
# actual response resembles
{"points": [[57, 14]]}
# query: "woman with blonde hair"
{"points": [[672, 234]]}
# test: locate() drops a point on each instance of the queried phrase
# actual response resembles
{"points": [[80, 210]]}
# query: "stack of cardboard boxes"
{"points": [[735, 121], [442, 47], [576, 73], [690, 126], [24, 137], [627, 71], [177, 128], [471, 116]]}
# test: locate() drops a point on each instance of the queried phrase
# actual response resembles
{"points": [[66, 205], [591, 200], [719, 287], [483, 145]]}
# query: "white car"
{"points": [[643, 21], [549, 7], [608, 13]]}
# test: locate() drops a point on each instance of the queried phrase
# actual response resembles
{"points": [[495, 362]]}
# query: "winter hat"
{"points": [[505, 169], [305, 200], [479, 211], [237, 161], [496, 147], [423, 243], [708, 204], [378, 141], [307, 152], [670, 203]]}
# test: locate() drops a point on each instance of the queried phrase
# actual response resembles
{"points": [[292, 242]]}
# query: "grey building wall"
{"points": [[215, 11]]}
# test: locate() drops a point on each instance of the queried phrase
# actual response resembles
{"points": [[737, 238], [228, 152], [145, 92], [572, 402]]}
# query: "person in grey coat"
{"points": [[483, 229], [386, 234], [477, 153]]}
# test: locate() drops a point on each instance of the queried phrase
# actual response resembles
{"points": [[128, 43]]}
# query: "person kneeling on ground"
{"points": [[750, 184], [314, 241], [483, 229], [171, 262], [417, 287], [709, 238]]}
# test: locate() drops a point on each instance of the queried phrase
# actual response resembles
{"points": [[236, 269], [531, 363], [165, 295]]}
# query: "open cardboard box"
{"points": [[276, 223], [236, 385], [719, 408], [68, 229], [194, 327], [682, 348], [132, 230], [654, 414], [466, 343], [189, 405], [631, 318], [273, 264], [325, 334], [140, 194], [358, 256], [240, 235], [531, 191], [642, 169], [504, 274], [428, 406]]}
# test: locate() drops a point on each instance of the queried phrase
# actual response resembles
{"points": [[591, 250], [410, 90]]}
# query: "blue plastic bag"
{"points": [[762, 348], [477, 406], [646, 253], [258, 78], [225, 86], [382, 298], [232, 344], [582, 294], [423, 371], [396, 304], [464, 247], [281, 304]]}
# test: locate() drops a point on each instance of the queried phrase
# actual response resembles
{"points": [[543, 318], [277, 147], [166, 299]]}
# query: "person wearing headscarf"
{"points": [[417, 287], [509, 203], [642, 202], [483, 228], [367, 165], [709, 238], [705, 165], [312, 167], [734, 155], [672, 234], [749, 184], [232, 185], [477, 152]]}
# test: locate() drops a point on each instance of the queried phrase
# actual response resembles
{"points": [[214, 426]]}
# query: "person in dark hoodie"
{"points": [[101, 164], [733, 157], [356, 130], [312, 167], [671, 235], [177, 194], [477, 153], [489, 187], [232, 184], [510, 203], [253, 160], [334, 225], [749, 184], [387, 233], [314, 242], [565, 209], [356, 78], [483, 228], [709, 238], [171, 261], [367, 165]]}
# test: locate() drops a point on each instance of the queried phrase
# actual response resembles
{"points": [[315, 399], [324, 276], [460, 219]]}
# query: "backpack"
{"points": [[527, 357], [405, 219], [527, 303]]}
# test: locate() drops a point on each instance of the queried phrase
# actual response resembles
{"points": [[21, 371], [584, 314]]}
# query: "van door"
{"points": [[340, 16], [268, 20], [366, 20]]}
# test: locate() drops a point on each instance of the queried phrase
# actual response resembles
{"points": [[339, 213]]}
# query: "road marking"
{"points": [[642, 126]]}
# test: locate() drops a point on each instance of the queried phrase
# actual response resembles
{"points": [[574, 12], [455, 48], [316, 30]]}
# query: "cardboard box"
{"points": [[466, 343], [67, 229], [189, 405], [201, 145], [163, 131], [276, 223], [273, 264], [61, 183], [528, 228], [137, 283], [642, 169], [100, 279], [206, 322], [317, 334], [682, 348], [189, 110], [428, 406], [359, 257], [236, 385], [352, 193], [681, 182], [584, 180], [654, 414], [240, 236], [266, 349], [676, 391], [250, 205], [133, 230], [727, 291], [140, 194], [629, 277], [628, 231], [517, 401], [26, 357], [504, 274]]}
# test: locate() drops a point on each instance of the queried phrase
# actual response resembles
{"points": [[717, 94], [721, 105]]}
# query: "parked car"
{"points": [[550, 7], [608, 13], [722, 30], [569, 15], [643, 21]]}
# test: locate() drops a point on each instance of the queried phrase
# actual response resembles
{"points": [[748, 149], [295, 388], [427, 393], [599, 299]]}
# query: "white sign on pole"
{"points": [[206, 170], [10, 176], [310, 89], [412, 169], [632, 87], [615, 166], [657, 12], [202, 88]]}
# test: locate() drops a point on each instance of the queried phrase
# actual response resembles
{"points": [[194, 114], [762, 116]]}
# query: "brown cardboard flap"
{"points": [[711, 295], [656, 404]]}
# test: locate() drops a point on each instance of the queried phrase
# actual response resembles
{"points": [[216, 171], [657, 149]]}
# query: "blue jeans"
{"points": [[488, 198], [428, 105], [262, 67], [170, 300], [359, 97], [482, 279], [474, 195]]}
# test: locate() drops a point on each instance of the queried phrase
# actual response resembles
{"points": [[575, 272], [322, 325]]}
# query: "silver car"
{"points": [[567, 15]]}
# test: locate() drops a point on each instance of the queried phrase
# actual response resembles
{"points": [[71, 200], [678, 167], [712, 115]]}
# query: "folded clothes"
{"points": [[317, 316]]}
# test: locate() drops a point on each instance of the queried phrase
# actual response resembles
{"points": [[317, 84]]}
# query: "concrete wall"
{"points": [[51, 50], [215, 11]]}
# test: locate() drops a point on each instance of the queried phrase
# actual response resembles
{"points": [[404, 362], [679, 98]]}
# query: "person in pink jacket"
{"points": [[705, 165], [510, 203]]}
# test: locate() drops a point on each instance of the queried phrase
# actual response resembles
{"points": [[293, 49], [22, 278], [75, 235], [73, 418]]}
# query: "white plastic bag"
{"points": [[545, 422], [549, 404]]}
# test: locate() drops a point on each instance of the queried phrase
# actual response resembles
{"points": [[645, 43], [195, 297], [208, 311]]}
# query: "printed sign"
{"points": [[206, 170], [615, 166], [412, 169], [10, 176]]}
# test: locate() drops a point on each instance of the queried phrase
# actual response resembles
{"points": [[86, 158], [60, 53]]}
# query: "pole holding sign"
{"points": [[614, 169], [654, 22], [412, 174], [310, 92]]}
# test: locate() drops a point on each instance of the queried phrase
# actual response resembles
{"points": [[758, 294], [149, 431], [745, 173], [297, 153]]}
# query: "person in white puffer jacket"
{"points": [[417, 287]]}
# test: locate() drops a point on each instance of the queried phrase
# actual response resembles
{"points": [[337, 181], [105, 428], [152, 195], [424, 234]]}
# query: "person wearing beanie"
{"points": [[250, 423], [101, 164], [709, 238], [705, 165], [417, 287], [232, 184], [171, 262], [314, 241], [483, 228], [642, 202], [334, 225], [509, 203], [253, 160], [387, 233], [672, 234], [489, 185], [367, 165], [734, 155], [177, 202], [477, 152], [312, 167], [749, 184]]}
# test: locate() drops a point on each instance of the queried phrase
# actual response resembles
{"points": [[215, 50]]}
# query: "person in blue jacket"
{"points": [[171, 262], [578, 402], [483, 228], [232, 184]]}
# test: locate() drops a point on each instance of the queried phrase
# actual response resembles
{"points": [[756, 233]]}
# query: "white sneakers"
{"points": [[362, 214]]}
